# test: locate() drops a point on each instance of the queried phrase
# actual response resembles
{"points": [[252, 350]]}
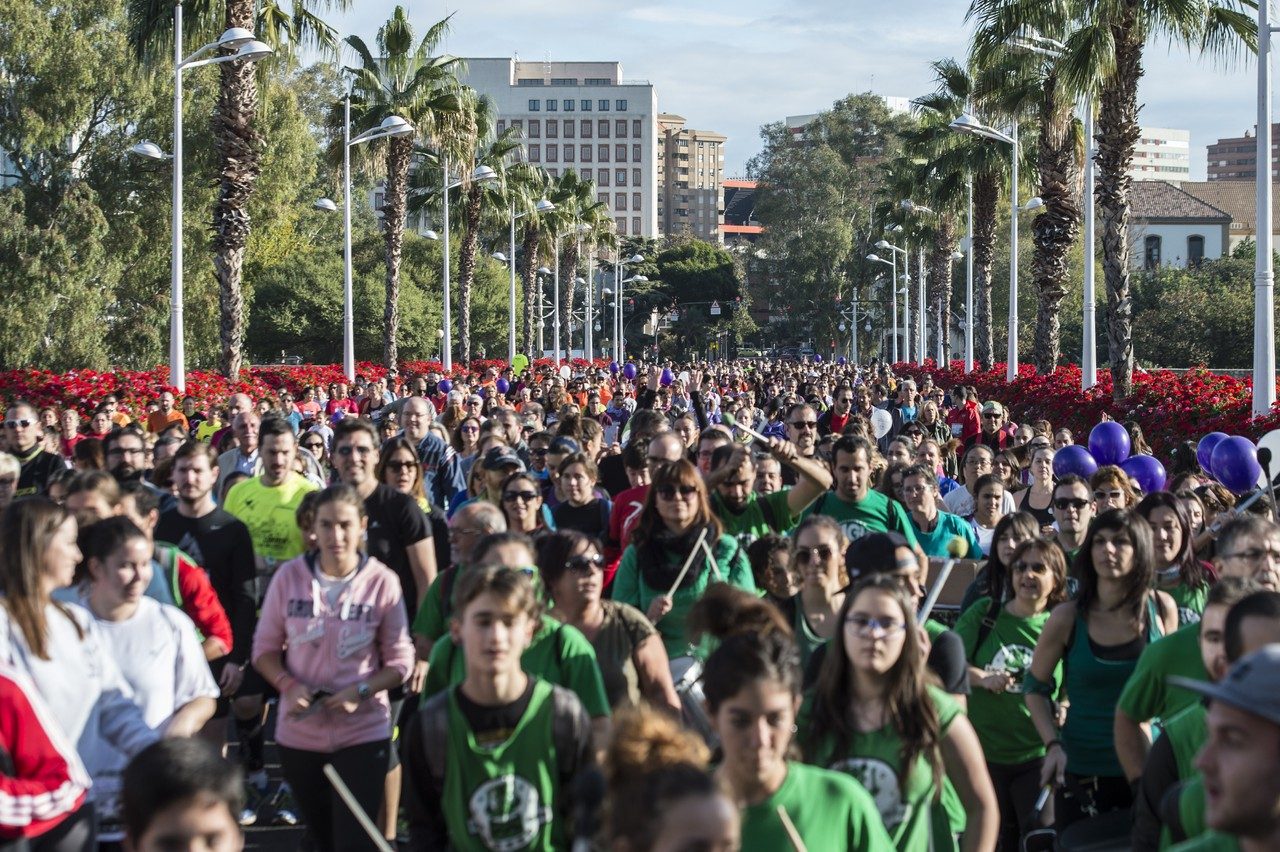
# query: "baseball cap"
{"points": [[564, 444], [992, 407], [1252, 684], [873, 554], [498, 458]]}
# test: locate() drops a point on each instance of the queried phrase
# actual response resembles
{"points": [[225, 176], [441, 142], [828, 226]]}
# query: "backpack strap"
{"points": [[770, 518], [448, 578], [434, 721], [986, 626]]}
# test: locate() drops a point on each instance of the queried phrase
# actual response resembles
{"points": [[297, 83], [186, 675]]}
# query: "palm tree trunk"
{"points": [[1055, 229], [568, 271], [940, 266], [986, 194], [240, 156], [467, 267], [529, 280], [393, 213], [1118, 132]]}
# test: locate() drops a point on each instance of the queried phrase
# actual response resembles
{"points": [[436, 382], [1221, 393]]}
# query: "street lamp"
{"points": [[481, 174], [1264, 340], [893, 294], [247, 49], [885, 245], [619, 350], [966, 123], [542, 206]]}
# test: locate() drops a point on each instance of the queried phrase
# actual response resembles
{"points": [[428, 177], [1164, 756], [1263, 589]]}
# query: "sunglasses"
{"points": [[520, 496], [399, 466], [538, 451], [821, 553], [669, 492], [313, 446], [1108, 495], [17, 424], [804, 424], [584, 564], [992, 416], [1065, 503], [1038, 568]]}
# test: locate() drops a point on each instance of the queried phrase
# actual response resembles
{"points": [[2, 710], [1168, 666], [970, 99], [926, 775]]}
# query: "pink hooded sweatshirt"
{"points": [[332, 648]]}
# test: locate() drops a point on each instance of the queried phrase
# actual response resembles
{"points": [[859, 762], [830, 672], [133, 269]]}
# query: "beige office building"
{"points": [[690, 173]]}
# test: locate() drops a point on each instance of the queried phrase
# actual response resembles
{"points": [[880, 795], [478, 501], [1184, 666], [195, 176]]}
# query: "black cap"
{"points": [[501, 457], [873, 554]]}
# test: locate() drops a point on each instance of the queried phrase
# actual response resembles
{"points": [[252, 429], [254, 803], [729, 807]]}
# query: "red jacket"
{"points": [[967, 418], [42, 781], [195, 595]]}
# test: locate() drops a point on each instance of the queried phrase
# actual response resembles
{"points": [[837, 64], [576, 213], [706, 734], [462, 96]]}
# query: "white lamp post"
{"points": [[1264, 336], [247, 49], [618, 348], [893, 294], [481, 173], [543, 206], [884, 245]]}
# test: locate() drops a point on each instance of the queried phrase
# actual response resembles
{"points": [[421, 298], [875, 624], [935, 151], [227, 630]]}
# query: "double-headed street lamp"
{"points": [[543, 206], [893, 293], [247, 49], [618, 280]]}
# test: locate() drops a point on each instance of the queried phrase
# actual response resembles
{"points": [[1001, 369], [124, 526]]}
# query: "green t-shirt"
{"points": [[430, 620], [1002, 720], [629, 587], [753, 521], [559, 654], [1210, 841], [873, 513], [830, 812], [1187, 731], [270, 513], [1191, 601], [1148, 695], [1191, 807], [504, 796], [947, 527], [909, 812]]}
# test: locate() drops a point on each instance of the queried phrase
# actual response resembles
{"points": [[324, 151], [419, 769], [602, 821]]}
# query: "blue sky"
{"points": [[733, 66]]}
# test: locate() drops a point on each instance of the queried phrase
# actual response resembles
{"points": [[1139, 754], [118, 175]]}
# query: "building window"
{"points": [[586, 128], [619, 201], [620, 153], [553, 105], [635, 178], [535, 128], [635, 153], [622, 225], [1195, 250], [502, 126], [534, 105], [586, 105], [554, 172], [518, 124], [569, 104], [620, 128], [635, 128], [1151, 252], [604, 177], [535, 153], [620, 106], [586, 153], [568, 153], [603, 105], [602, 153], [553, 128], [602, 128], [636, 200], [529, 81], [635, 225], [564, 81], [553, 153], [621, 177], [569, 127]]}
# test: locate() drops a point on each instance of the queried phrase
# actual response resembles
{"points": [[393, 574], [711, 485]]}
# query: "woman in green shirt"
{"points": [[875, 715], [817, 549], [999, 641], [1178, 571], [752, 688]]}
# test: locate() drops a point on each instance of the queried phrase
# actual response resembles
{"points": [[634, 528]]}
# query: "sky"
{"points": [[733, 65]]}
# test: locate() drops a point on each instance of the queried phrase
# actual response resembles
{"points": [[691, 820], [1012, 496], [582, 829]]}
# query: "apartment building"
{"points": [[1162, 154], [690, 172], [1237, 158]]}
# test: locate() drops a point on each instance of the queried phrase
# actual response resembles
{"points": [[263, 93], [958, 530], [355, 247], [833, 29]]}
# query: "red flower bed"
{"points": [[1170, 407], [84, 389]]}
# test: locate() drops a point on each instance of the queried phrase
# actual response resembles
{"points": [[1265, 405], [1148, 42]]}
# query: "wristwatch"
{"points": [[363, 691]]}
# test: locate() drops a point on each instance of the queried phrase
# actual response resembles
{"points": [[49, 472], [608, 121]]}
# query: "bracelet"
{"points": [[278, 679], [1053, 742]]}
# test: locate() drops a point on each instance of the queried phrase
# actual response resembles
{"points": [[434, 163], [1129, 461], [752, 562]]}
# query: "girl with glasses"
{"points": [[817, 551], [1000, 634], [677, 528], [876, 715], [399, 467], [466, 439], [629, 651], [522, 506]]}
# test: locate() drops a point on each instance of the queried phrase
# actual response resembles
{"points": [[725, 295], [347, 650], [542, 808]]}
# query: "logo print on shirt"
{"points": [[507, 813], [1014, 659], [879, 779]]}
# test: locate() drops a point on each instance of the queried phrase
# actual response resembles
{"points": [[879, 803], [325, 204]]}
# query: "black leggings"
{"points": [[1017, 788], [363, 767], [76, 833], [1087, 796]]}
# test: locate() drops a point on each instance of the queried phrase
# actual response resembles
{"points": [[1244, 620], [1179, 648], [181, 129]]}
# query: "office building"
{"points": [[1237, 158], [690, 171], [582, 116], [739, 223], [797, 123], [1162, 154]]}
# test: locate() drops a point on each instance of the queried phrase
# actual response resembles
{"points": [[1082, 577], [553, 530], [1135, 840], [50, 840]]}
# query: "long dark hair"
{"points": [[1138, 584], [1190, 570], [998, 574], [679, 472], [1054, 558], [27, 528], [908, 706]]}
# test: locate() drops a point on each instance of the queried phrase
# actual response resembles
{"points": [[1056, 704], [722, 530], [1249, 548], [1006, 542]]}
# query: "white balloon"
{"points": [[881, 422], [565, 372], [1270, 441], [684, 376]]}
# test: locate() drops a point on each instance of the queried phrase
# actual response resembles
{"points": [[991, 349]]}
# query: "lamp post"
{"points": [[893, 293], [480, 173], [922, 325], [619, 348], [543, 206], [247, 49], [1264, 338], [542, 317], [906, 306]]}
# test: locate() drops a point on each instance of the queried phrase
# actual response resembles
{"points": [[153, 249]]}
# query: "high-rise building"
{"points": [[1162, 154], [582, 116], [1237, 158], [690, 170]]}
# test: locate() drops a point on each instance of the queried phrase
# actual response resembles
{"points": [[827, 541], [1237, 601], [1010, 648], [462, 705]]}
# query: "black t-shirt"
{"points": [[613, 475], [395, 523], [37, 469], [591, 519], [493, 724], [220, 543]]}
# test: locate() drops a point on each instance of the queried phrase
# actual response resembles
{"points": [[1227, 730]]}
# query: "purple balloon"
{"points": [[1109, 443], [1204, 450], [667, 377], [842, 360], [817, 359], [613, 367], [1235, 464], [1146, 471], [502, 385], [1074, 459], [629, 371], [444, 385]]}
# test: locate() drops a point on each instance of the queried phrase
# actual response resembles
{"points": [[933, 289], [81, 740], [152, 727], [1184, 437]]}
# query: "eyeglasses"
{"points": [[519, 496], [350, 449], [669, 492], [1065, 503], [471, 429], [1108, 495], [1032, 567], [803, 424], [1254, 555], [584, 564], [17, 424], [821, 553], [992, 416], [399, 466], [866, 626]]}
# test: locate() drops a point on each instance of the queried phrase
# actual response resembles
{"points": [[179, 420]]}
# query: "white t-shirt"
{"points": [[159, 654], [960, 502]]}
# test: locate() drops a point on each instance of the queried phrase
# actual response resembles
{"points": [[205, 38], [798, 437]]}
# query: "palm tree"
{"points": [[238, 142], [526, 185], [576, 208], [408, 81]]}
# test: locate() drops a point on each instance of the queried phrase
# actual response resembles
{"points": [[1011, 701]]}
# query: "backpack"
{"points": [[988, 624]]}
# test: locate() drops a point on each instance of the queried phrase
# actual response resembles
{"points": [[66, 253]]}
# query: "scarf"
{"points": [[663, 556]]}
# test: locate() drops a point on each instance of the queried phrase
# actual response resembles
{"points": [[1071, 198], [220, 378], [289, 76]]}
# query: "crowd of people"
{"points": [[744, 605]]}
